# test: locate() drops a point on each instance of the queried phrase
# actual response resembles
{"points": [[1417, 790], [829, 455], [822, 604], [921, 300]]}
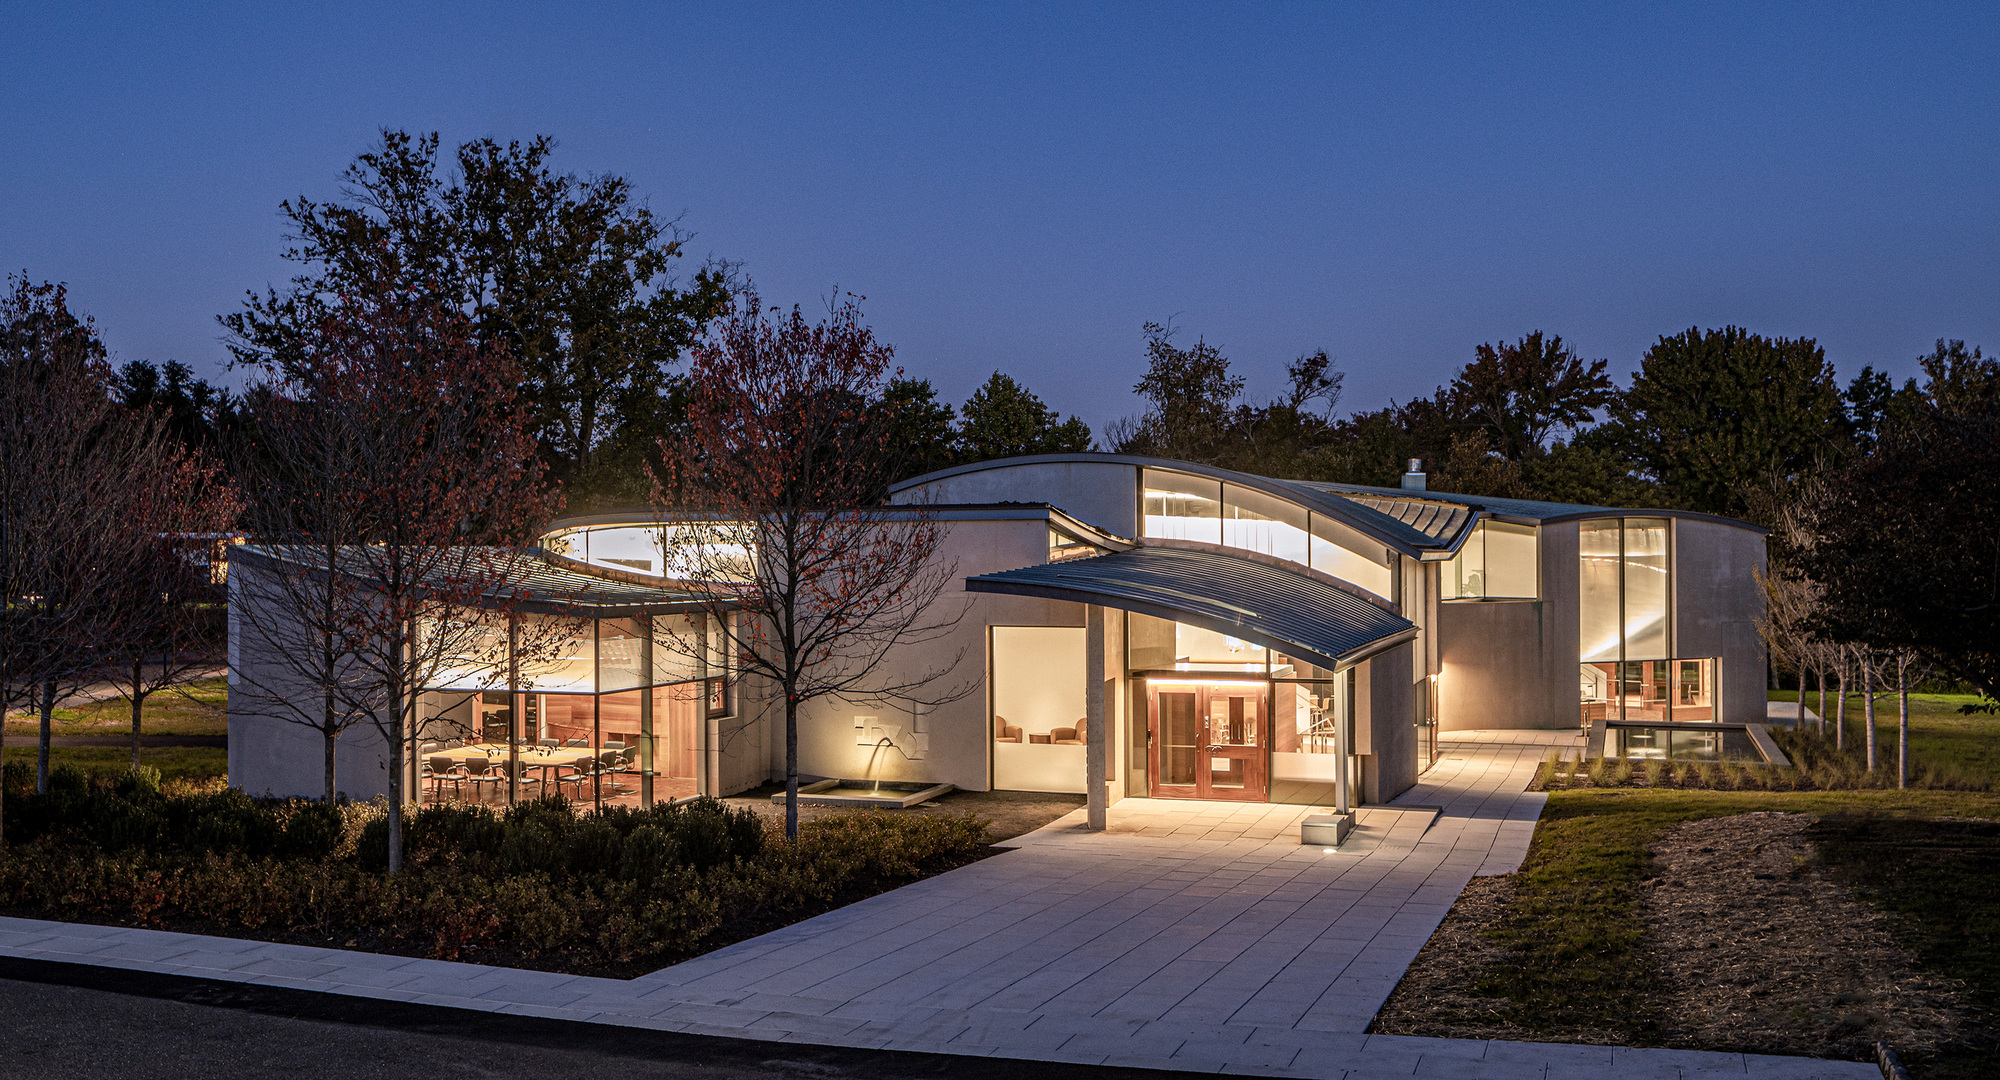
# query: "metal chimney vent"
{"points": [[1413, 476]]}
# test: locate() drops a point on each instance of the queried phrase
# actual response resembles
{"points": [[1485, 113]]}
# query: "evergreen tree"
{"points": [[920, 434], [1714, 414], [568, 273], [1003, 419]]}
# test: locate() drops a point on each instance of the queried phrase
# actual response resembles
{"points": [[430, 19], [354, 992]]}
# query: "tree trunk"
{"points": [[332, 736], [48, 711], [330, 730], [1819, 677], [1840, 709], [396, 788], [1903, 719], [138, 707], [791, 768], [1799, 715], [1868, 705]]}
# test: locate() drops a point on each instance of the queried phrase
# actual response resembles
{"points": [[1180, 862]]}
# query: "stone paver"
{"points": [[1190, 936]]}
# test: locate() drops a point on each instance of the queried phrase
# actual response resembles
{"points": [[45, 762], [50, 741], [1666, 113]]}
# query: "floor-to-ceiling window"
{"points": [[600, 711], [1625, 620]]}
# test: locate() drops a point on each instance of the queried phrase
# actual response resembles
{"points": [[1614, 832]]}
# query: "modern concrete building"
{"points": [[1140, 627]]}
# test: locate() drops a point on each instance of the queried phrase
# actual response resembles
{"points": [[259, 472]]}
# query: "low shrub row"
{"points": [[539, 884]]}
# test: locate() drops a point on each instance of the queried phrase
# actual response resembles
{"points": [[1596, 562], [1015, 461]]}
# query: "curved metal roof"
{"points": [[1539, 511], [532, 582], [1390, 531], [1276, 608], [1440, 521], [1412, 522]]}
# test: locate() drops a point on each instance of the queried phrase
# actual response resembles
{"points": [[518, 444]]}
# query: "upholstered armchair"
{"points": [[1067, 736], [1004, 731]]}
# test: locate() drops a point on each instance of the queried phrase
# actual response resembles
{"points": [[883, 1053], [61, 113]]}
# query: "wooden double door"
{"points": [[1209, 740]]}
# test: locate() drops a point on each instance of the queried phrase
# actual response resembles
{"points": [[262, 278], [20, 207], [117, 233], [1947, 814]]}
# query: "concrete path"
{"points": [[1189, 936]]}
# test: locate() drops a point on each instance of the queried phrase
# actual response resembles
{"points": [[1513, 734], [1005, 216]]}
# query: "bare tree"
{"points": [[409, 543], [92, 497], [171, 619], [1870, 664], [768, 504], [293, 607]]}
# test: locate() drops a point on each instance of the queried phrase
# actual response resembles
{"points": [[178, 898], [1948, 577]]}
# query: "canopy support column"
{"points": [[1095, 793]]}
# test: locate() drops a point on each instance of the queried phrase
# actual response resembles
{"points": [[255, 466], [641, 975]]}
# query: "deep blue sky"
{"points": [[1021, 187]]}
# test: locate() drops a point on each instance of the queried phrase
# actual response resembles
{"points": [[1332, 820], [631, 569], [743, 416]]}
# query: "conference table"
{"points": [[547, 759]]}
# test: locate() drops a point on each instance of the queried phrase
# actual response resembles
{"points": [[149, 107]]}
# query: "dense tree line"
{"points": [[1709, 420]]}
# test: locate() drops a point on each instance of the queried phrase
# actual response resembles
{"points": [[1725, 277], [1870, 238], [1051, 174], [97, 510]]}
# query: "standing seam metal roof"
{"points": [[535, 583], [1278, 609]]}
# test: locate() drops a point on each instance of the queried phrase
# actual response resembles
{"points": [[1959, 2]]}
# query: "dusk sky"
{"points": [[1019, 188]]}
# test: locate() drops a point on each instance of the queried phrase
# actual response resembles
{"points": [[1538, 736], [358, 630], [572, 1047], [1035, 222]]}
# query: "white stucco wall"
{"points": [[1716, 607], [957, 732]]}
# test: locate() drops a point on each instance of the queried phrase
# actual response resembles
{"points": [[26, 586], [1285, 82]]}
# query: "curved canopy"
{"points": [[1289, 612]]}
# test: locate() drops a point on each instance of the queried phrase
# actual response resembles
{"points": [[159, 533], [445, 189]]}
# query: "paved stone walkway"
{"points": [[1188, 936]]}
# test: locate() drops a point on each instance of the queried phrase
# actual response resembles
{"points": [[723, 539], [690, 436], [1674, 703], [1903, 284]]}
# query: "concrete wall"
{"points": [[270, 751], [1716, 606], [957, 733], [1104, 494], [1511, 664], [1385, 732]]}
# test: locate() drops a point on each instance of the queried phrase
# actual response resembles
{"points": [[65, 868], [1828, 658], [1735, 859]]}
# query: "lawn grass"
{"points": [[201, 708], [174, 762]]}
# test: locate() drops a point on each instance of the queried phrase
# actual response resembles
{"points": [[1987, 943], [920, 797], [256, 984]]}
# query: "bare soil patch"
{"points": [[1750, 944], [1759, 949]]}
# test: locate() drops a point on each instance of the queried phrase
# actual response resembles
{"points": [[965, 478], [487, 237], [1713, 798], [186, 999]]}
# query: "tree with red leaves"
{"points": [[771, 503], [395, 495]]}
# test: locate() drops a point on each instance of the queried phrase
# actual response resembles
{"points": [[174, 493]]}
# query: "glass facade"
{"points": [[1499, 561], [1623, 590], [1646, 605], [604, 711], [1254, 521], [1670, 691], [1036, 679], [1598, 578], [1181, 506], [1334, 552], [716, 552], [1218, 717], [1625, 612]]}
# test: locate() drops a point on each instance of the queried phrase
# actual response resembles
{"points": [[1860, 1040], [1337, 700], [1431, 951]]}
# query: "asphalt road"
{"points": [[62, 1020]]}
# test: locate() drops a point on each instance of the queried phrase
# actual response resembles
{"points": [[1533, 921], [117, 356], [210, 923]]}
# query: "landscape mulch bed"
{"points": [[1751, 943]]}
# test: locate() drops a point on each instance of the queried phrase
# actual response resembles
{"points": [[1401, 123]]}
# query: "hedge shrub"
{"points": [[538, 882]]}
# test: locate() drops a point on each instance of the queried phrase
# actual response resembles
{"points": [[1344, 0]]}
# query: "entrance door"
{"points": [[1209, 741]]}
